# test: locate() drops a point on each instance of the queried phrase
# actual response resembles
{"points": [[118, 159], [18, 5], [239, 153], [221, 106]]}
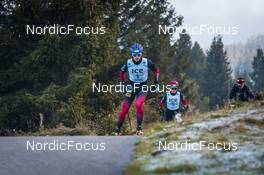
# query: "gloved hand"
{"points": [[161, 110], [185, 108], [185, 104]]}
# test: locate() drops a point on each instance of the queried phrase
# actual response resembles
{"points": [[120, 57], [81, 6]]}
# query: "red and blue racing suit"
{"points": [[138, 73]]}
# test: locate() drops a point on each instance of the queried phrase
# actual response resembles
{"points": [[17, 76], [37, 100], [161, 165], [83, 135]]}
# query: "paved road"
{"points": [[80, 155]]}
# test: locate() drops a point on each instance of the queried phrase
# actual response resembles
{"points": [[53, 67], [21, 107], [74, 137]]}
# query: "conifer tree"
{"points": [[217, 75], [258, 70], [180, 64], [140, 22], [195, 70], [197, 63]]}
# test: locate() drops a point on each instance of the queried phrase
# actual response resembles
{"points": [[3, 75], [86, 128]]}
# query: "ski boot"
{"points": [[116, 132], [139, 131]]}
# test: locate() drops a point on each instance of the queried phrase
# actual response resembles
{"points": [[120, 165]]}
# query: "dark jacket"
{"points": [[243, 94]]}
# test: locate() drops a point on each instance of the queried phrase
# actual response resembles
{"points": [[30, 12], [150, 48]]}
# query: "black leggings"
{"points": [[169, 114]]}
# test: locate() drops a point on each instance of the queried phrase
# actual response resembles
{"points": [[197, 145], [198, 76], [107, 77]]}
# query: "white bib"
{"points": [[138, 73], [173, 101]]}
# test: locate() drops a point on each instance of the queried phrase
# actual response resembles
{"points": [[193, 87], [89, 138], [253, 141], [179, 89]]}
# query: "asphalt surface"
{"points": [[67, 155]]}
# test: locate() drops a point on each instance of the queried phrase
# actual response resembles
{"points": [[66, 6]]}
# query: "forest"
{"points": [[51, 75]]}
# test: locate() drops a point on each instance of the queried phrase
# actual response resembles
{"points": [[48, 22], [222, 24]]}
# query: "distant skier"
{"points": [[173, 102], [137, 68], [241, 91]]}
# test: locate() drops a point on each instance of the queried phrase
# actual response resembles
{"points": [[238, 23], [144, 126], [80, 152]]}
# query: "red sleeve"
{"points": [[162, 101], [155, 69], [122, 73], [122, 76], [185, 102]]}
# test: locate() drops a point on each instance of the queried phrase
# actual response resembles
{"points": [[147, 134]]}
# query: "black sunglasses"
{"points": [[137, 54]]}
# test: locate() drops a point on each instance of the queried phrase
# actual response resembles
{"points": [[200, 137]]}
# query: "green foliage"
{"points": [[179, 65], [258, 71], [53, 74], [217, 74], [140, 21], [195, 70], [197, 61], [182, 53], [182, 168], [203, 104]]}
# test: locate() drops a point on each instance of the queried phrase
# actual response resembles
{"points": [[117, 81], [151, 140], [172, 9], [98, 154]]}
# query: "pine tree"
{"points": [[179, 65], [197, 63], [181, 58], [54, 73], [258, 71], [217, 75], [140, 21]]}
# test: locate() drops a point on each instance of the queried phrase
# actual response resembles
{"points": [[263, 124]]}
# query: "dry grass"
{"points": [[241, 127], [253, 121], [182, 168], [61, 130]]}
